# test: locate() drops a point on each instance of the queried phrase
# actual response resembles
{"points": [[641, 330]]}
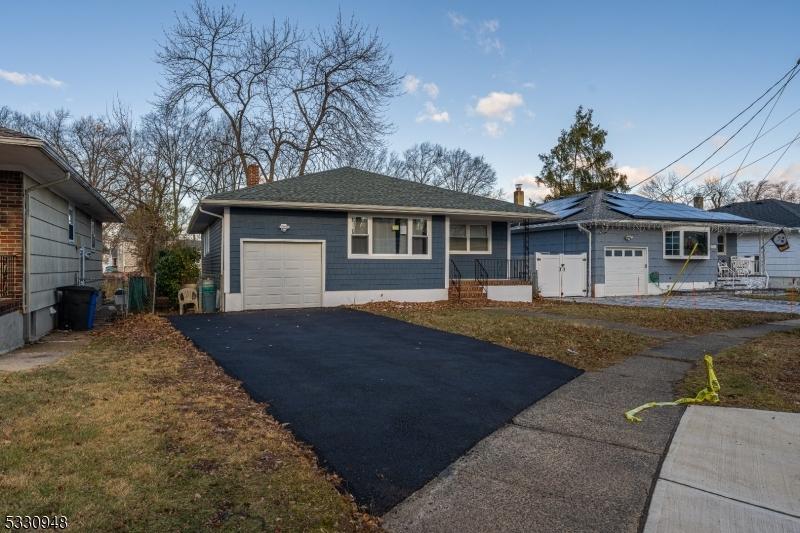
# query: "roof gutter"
{"points": [[66, 167]]}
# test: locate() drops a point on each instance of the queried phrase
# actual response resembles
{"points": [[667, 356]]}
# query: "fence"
{"points": [[131, 293]]}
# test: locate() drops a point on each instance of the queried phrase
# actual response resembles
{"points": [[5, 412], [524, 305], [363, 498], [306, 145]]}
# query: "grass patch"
{"points": [[788, 296], [585, 347], [686, 321], [761, 374], [140, 431]]}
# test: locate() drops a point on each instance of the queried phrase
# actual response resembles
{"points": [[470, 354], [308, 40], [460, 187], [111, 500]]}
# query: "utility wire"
{"points": [[790, 115], [742, 112], [781, 156]]}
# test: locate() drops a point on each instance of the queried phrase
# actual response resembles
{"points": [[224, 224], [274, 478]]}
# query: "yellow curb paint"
{"points": [[708, 394]]}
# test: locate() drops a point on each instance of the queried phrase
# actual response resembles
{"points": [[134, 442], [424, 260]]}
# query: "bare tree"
{"points": [[717, 191], [667, 188], [423, 163], [214, 59], [346, 79], [747, 191], [784, 190], [461, 171]]}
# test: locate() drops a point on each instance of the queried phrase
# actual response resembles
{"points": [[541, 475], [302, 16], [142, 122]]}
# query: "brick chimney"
{"points": [[519, 195], [698, 202], [253, 175]]}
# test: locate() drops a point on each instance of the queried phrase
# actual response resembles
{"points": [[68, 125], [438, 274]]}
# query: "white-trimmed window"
{"points": [[679, 243], [206, 242], [388, 237], [470, 238], [722, 244], [71, 223]]}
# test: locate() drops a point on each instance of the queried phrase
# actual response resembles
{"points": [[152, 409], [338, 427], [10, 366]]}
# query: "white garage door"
{"points": [[279, 275], [626, 271]]}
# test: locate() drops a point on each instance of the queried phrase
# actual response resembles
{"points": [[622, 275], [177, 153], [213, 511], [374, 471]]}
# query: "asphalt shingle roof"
{"points": [[775, 211], [14, 134], [351, 186]]}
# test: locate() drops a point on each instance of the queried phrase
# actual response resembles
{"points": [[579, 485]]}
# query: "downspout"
{"points": [[589, 265], [221, 251], [26, 256]]}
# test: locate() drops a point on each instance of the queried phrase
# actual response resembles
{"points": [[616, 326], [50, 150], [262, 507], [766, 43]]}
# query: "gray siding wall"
{"points": [[54, 261], [555, 241], [212, 261], [701, 270], [341, 273], [466, 262]]}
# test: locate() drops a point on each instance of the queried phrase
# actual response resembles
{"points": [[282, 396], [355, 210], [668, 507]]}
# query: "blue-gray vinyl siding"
{"points": [[466, 262], [212, 261], [573, 241], [699, 270], [341, 273]]}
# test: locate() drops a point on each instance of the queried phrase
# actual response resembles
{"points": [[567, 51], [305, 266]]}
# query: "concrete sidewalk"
{"points": [[571, 462], [731, 470]]}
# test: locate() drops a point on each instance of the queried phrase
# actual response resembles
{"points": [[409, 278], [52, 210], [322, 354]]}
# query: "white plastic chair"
{"points": [[187, 297]]}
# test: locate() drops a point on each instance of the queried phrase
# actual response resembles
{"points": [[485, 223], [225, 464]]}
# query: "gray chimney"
{"points": [[698, 202]]}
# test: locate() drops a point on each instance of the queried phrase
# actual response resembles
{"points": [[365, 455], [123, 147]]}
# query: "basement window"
{"points": [[389, 237], [679, 243]]}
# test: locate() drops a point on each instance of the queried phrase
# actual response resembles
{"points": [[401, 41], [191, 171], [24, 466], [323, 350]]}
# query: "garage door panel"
{"points": [[625, 271], [282, 275]]}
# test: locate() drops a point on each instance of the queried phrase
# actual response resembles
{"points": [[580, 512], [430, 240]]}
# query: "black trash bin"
{"points": [[76, 307]]}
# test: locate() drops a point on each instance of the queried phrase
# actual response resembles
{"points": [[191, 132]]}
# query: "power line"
{"points": [[742, 112], [751, 163], [790, 115], [781, 156]]}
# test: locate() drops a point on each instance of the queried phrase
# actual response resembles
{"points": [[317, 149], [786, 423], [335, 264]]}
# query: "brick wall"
{"points": [[10, 239]]}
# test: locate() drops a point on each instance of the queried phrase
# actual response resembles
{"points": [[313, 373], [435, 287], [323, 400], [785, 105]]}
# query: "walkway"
{"points": [[734, 470], [701, 301], [49, 349], [571, 462]]}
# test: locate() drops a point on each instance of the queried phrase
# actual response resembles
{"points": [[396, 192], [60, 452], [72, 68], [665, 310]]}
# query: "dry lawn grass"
{"points": [[761, 374], [585, 347], [140, 431], [686, 321]]}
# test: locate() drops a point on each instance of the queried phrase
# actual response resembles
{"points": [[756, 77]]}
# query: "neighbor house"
{"points": [[613, 244], [348, 236], [50, 235], [781, 267]]}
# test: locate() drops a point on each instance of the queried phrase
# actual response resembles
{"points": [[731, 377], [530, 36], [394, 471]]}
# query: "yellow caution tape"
{"points": [[708, 394]]}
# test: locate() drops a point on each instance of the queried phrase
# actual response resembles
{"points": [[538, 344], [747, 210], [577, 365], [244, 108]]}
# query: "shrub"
{"points": [[176, 267]]}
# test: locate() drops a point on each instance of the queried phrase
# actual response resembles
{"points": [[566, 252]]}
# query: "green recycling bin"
{"points": [[208, 295]]}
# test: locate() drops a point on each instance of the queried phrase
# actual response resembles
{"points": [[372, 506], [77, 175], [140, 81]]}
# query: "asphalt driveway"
{"points": [[386, 404]]}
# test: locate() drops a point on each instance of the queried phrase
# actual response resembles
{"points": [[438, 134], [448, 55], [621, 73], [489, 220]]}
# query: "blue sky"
{"points": [[508, 76]]}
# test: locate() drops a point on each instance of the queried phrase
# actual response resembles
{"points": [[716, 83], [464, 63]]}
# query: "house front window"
{"points": [[388, 237], [470, 238], [679, 243], [206, 242]]}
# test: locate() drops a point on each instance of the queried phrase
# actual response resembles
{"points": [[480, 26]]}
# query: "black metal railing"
{"points": [[512, 269], [455, 278], [7, 288], [481, 274]]}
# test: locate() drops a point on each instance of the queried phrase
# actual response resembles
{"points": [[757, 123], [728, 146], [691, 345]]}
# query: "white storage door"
{"points": [[626, 271], [560, 275], [279, 275], [573, 275], [548, 275]]}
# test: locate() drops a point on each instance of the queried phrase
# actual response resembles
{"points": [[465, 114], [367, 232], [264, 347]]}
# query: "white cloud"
{"points": [[433, 114], [529, 85], [411, 83], [493, 129], [458, 21], [483, 33], [628, 125], [20, 78], [499, 106], [431, 89]]}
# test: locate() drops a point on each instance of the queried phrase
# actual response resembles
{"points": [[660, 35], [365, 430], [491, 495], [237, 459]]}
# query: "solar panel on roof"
{"points": [[639, 207], [564, 207]]}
